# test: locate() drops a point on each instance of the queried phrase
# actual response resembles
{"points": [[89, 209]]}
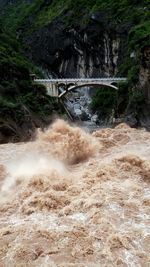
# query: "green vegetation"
{"points": [[42, 12], [14, 16], [104, 102], [20, 98], [107, 102], [139, 35]]}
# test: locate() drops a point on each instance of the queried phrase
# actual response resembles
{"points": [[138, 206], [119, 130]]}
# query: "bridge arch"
{"points": [[73, 87]]}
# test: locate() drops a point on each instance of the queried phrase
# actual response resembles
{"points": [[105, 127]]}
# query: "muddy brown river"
{"points": [[71, 199]]}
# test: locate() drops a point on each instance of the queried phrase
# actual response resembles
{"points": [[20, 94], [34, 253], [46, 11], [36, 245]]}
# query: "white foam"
{"points": [[30, 165]]}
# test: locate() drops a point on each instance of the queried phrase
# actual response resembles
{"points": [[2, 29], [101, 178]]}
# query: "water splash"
{"points": [[74, 199]]}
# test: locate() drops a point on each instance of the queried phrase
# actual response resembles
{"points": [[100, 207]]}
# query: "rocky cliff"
{"points": [[144, 85], [92, 50]]}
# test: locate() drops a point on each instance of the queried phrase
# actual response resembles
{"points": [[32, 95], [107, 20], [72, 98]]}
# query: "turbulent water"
{"points": [[71, 199]]}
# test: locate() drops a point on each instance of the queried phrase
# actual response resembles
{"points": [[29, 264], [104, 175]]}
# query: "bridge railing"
{"points": [[82, 80], [79, 80]]}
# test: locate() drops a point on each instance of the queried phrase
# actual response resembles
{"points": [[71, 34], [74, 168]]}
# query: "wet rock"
{"points": [[94, 118], [131, 121]]}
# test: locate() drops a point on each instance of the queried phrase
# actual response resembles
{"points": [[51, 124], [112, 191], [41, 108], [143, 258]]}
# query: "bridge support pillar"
{"points": [[52, 90]]}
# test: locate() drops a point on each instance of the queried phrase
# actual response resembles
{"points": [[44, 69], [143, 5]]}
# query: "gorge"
{"points": [[72, 39]]}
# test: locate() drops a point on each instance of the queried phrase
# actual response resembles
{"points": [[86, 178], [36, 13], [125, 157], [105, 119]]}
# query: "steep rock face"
{"points": [[144, 77], [93, 50], [144, 84]]}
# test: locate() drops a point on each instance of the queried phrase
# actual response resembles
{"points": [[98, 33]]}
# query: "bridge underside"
{"points": [[74, 87], [60, 90]]}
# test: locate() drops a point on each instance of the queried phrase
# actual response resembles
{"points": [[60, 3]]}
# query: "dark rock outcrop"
{"points": [[94, 50], [144, 85]]}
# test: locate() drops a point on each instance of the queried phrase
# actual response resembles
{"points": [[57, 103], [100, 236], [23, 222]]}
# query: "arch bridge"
{"points": [[59, 87]]}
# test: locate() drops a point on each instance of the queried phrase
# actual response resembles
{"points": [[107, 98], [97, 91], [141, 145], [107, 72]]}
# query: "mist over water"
{"points": [[72, 199]]}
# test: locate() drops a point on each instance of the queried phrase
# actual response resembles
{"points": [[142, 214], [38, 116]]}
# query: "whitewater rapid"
{"points": [[73, 199]]}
